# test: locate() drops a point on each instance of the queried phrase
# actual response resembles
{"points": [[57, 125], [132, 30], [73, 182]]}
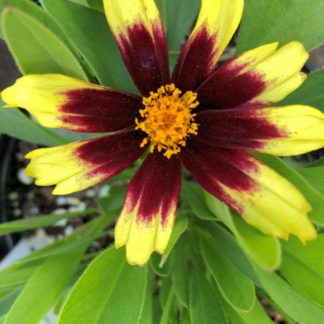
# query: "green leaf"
{"points": [[178, 17], [16, 124], [34, 10], [314, 198], [39, 221], [88, 30], [179, 228], [113, 202], [147, 313], [6, 303], [204, 302], [173, 58], [180, 273], [162, 267], [282, 21], [194, 195], [235, 287], [303, 267], [82, 236], [95, 4], [16, 275], [165, 319], [228, 243], [35, 47], [295, 305], [310, 93], [255, 316], [314, 176], [263, 249], [111, 278], [43, 288]]}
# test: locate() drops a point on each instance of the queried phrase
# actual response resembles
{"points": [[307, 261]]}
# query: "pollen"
{"points": [[167, 119]]}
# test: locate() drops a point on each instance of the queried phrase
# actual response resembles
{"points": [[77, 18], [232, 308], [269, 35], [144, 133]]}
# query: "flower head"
{"points": [[202, 116]]}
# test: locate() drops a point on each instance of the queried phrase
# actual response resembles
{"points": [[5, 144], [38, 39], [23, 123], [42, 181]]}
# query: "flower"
{"points": [[204, 117]]}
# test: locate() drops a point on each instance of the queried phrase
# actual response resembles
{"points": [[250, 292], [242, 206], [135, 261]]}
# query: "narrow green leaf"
{"points": [[6, 303], [295, 305], [88, 30], [82, 236], [114, 200], [194, 195], [95, 4], [147, 313], [34, 10], [178, 17], [180, 227], [310, 93], [16, 124], [4, 293], [229, 244], [282, 21], [204, 302], [111, 278], [16, 275], [173, 58], [235, 287], [303, 267], [180, 273], [263, 249], [43, 288], [256, 316], [36, 48], [167, 307], [39, 221], [314, 176]]}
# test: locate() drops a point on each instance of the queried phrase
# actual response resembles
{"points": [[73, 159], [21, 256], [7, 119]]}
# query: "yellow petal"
{"points": [[43, 95], [146, 220], [221, 19], [123, 14], [77, 166], [59, 166], [142, 238], [275, 207], [281, 71], [302, 129]]}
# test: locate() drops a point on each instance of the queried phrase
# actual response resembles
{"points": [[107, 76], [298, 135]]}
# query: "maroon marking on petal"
{"points": [[227, 88], [195, 62], [109, 155], [99, 110], [243, 129], [146, 58], [213, 167], [155, 187]]}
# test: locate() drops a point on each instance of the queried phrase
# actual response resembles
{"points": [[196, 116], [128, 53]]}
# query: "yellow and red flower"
{"points": [[202, 116]]}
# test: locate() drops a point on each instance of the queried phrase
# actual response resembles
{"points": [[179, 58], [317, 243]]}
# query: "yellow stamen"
{"points": [[167, 119]]}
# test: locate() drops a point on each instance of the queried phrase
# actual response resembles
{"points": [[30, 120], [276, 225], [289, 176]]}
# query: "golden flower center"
{"points": [[167, 119]]}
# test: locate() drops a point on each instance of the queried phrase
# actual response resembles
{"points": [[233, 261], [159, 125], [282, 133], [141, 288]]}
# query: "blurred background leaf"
{"points": [[281, 21]]}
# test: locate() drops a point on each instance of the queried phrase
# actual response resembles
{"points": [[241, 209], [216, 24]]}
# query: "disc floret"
{"points": [[167, 119]]}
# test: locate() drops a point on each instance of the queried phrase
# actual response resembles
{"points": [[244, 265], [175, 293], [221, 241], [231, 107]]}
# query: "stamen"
{"points": [[167, 119]]}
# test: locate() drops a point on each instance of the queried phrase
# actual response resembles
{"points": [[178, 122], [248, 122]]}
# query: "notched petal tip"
{"points": [[59, 101], [146, 221], [77, 166], [256, 78], [260, 195], [142, 237]]}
